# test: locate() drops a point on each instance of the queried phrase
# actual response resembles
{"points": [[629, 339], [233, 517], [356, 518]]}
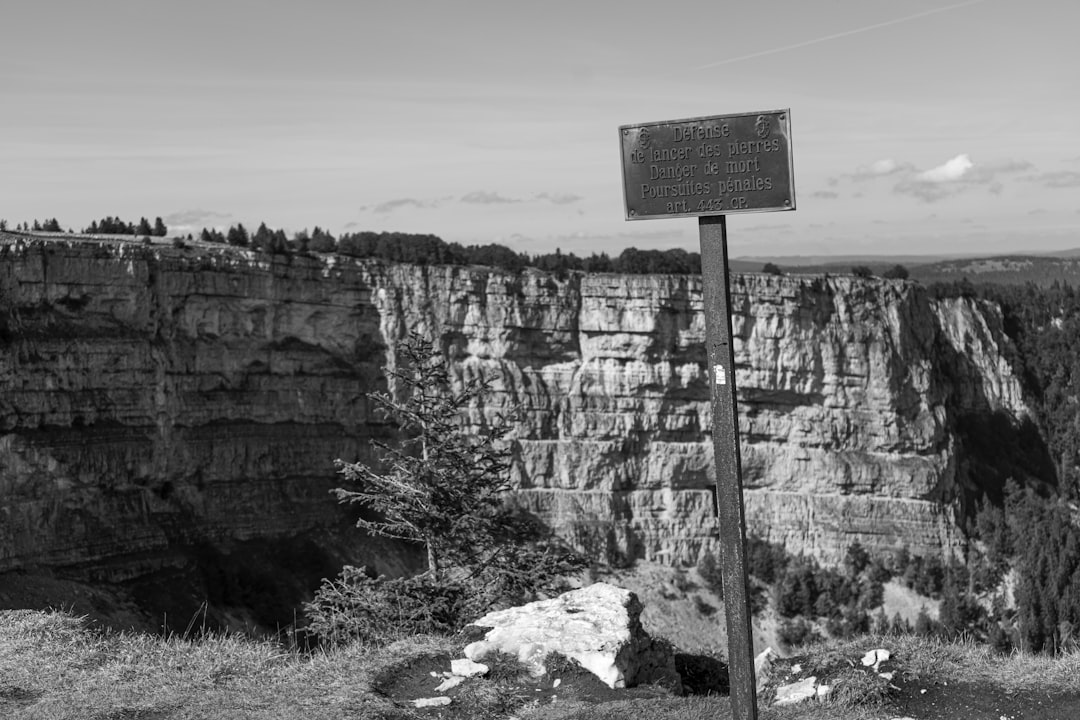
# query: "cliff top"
{"points": [[54, 667]]}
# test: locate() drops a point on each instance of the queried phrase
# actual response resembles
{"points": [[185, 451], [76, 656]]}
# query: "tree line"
{"points": [[1027, 521], [413, 248], [1032, 524], [108, 225], [428, 249]]}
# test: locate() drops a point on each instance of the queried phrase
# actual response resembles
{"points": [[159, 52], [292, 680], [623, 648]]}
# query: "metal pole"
{"points": [[725, 431]]}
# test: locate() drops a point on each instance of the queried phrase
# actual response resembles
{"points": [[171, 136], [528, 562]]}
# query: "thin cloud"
{"points": [[1057, 179], [631, 237], [398, 203], [877, 169], [825, 195], [480, 197], [835, 36], [513, 239], [780, 228], [559, 198], [193, 218], [957, 175], [926, 191], [881, 168]]}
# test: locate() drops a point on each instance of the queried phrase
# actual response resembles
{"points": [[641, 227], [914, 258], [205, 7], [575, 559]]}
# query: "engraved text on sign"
{"points": [[708, 166]]}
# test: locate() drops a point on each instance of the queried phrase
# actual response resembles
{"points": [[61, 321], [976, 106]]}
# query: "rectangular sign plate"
{"points": [[708, 166]]}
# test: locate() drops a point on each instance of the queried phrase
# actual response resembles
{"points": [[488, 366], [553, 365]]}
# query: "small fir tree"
{"points": [[442, 486]]}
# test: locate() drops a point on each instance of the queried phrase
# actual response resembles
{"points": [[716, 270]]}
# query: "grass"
{"points": [[52, 666]]}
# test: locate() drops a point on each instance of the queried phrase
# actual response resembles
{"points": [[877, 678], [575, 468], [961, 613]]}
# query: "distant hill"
{"points": [[1005, 270], [1043, 269]]}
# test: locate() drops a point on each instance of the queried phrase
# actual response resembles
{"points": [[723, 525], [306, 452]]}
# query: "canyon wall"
{"points": [[156, 398]]}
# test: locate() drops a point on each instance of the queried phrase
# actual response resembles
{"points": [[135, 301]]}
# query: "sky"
{"points": [[922, 127]]}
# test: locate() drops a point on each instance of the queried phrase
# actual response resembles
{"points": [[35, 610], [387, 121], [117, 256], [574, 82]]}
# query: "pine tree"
{"points": [[924, 626], [262, 237], [881, 622], [237, 235], [444, 485], [159, 227], [441, 486], [143, 227]]}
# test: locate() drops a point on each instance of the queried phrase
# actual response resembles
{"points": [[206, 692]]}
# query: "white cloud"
{"points": [[952, 170], [885, 166]]}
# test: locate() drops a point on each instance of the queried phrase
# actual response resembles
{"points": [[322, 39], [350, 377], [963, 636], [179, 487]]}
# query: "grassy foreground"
{"points": [[51, 666]]}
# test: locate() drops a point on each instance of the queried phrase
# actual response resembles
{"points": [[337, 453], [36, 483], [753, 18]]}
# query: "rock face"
{"points": [[599, 626], [157, 398]]}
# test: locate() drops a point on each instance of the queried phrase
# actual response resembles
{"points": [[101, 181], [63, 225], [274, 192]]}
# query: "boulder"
{"points": [[599, 626]]}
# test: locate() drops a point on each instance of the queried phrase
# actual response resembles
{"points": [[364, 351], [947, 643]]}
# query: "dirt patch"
{"points": [[507, 687], [902, 695], [14, 697], [702, 674], [975, 701]]}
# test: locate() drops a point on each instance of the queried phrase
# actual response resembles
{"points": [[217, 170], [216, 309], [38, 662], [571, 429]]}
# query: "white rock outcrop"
{"points": [[598, 626], [796, 692]]}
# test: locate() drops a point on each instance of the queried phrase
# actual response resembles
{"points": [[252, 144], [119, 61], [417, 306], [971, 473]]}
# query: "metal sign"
{"points": [[712, 167], [708, 166]]}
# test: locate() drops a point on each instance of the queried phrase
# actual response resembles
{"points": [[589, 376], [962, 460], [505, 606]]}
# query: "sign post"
{"points": [[708, 168]]}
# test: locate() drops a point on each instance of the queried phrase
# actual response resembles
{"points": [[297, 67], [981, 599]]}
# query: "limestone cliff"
{"points": [[156, 398]]}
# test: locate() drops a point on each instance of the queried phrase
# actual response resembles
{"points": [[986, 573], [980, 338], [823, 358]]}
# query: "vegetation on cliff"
{"points": [[442, 486]]}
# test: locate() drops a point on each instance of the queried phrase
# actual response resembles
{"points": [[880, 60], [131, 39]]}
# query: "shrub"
{"points": [[862, 271], [703, 607], [896, 272], [709, 569], [797, 632], [771, 269], [379, 610]]}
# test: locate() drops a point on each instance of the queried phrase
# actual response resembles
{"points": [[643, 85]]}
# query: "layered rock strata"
{"points": [[155, 397]]}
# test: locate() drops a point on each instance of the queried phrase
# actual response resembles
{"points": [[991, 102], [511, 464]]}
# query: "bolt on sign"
{"points": [[708, 166]]}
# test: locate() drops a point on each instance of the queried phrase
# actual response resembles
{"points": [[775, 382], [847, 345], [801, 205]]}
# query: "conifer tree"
{"points": [[440, 486], [443, 483], [237, 235]]}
